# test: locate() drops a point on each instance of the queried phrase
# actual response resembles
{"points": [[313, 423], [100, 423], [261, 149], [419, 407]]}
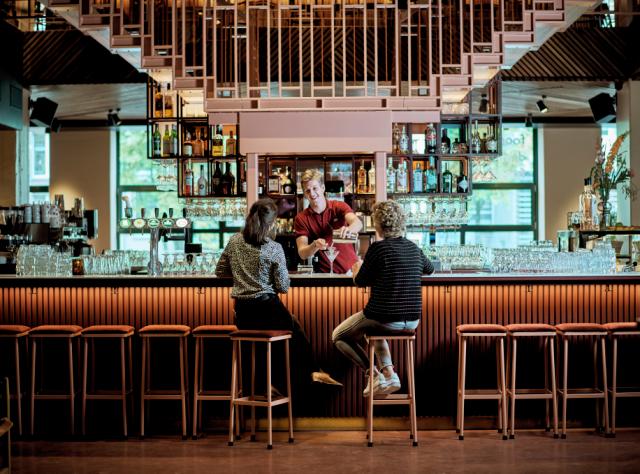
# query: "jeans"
{"points": [[349, 336]]}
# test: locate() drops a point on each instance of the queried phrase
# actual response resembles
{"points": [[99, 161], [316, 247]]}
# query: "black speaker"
{"points": [[602, 108], [43, 111]]}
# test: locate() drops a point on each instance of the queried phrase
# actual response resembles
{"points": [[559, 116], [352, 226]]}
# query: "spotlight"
{"points": [[484, 104], [112, 118], [528, 122], [43, 111], [542, 107], [55, 126]]}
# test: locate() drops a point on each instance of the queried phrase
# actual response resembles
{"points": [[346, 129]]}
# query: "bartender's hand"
{"points": [[345, 232], [319, 244]]}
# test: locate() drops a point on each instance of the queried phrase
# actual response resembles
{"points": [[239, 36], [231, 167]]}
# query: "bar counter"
{"points": [[321, 302]]}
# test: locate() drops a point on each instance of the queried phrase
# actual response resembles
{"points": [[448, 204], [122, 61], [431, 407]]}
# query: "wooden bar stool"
{"points": [[407, 344], [268, 401], [616, 331], [548, 332], [14, 333], [566, 332], [49, 333], [201, 334], [164, 331], [499, 332], [122, 334]]}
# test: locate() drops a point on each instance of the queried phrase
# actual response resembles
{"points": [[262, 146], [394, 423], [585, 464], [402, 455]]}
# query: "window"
{"points": [[38, 165], [139, 181]]}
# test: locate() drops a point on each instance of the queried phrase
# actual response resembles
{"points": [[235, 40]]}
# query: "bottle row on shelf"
{"points": [[211, 181], [414, 139], [430, 175], [191, 140]]}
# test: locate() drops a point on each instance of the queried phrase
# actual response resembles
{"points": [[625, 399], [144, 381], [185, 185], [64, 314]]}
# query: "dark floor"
{"points": [[338, 452]]}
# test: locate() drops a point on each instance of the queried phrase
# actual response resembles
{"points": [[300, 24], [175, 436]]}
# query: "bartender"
{"points": [[315, 226]]}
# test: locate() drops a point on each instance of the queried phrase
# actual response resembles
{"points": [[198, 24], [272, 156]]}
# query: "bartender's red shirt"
{"points": [[315, 225]]}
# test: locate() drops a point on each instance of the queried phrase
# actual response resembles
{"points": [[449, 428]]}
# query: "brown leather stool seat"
{"points": [[464, 332], [218, 332], [617, 331], [68, 332], [15, 333], [407, 339], [598, 333], [122, 334], [548, 333], [267, 337], [166, 331]]}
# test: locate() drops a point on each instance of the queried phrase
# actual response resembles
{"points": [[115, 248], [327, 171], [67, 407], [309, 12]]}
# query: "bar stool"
{"points": [[119, 333], [53, 332], [201, 334], [548, 332], [499, 332], [617, 330], [567, 331], [407, 343], [164, 331], [268, 401], [14, 333]]}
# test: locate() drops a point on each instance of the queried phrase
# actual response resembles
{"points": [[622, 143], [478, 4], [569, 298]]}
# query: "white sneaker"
{"points": [[378, 382], [391, 384]]}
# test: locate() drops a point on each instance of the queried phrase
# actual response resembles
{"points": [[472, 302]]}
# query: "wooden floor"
{"points": [[338, 452]]}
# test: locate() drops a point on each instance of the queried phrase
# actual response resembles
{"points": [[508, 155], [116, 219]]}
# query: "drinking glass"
{"points": [[331, 254]]}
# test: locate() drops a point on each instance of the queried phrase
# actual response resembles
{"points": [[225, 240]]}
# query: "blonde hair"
{"points": [[390, 218], [311, 175]]}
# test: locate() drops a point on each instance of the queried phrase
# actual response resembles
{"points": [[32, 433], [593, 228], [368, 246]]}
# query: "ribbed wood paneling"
{"points": [[321, 309]]}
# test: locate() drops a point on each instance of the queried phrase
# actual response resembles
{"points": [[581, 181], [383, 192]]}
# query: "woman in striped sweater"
{"points": [[393, 268]]}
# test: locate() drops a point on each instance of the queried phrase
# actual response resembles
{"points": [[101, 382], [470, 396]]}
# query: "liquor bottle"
{"points": [[216, 181], [175, 149], [431, 177], [288, 186], [260, 184], [483, 143], [218, 142], [445, 142], [401, 178], [242, 191], [418, 179], [455, 147], [231, 145], [396, 138], [492, 144], [404, 141], [197, 144], [447, 180], [274, 182], [391, 177], [166, 142], [475, 140], [372, 178], [431, 138], [587, 206], [188, 179], [463, 183], [202, 183], [187, 146], [362, 179], [228, 181], [157, 140], [158, 103], [168, 102]]}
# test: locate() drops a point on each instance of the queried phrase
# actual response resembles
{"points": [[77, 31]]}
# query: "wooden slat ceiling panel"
{"points": [[594, 54], [70, 57]]}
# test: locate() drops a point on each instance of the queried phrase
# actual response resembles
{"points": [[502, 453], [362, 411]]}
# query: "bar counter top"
{"points": [[315, 279]]}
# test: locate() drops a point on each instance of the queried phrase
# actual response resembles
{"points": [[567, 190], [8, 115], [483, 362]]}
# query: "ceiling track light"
{"points": [[113, 120], [542, 107], [484, 104]]}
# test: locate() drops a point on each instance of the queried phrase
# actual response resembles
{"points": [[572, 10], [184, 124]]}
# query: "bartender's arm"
{"points": [[306, 249], [354, 224]]}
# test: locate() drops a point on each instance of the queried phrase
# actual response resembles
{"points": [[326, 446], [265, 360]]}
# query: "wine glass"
{"points": [[331, 254]]}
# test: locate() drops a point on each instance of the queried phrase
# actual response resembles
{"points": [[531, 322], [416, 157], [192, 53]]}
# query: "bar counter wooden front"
{"points": [[321, 303]]}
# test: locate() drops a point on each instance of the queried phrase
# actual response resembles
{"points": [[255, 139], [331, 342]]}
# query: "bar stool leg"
{"points": [[547, 424], [290, 406], [131, 400], [554, 391], [565, 369], [269, 396], [18, 386], [201, 382], [501, 429], [514, 352], [412, 392], [85, 348], [614, 386], [32, 388], [604, 385], [596, 384], [71, 388], [459, 384], [371, 395], [253, 390], [234, 371], [462, 385], [143, 380], [123, 387], [183, 395], [196, 389], [503, 383]]}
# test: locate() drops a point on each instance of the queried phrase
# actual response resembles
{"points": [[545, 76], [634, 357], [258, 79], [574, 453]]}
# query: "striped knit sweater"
{"points": [[393, 269]]}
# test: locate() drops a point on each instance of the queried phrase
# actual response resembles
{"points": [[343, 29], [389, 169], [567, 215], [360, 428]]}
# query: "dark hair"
{"points": [[259, 223]]}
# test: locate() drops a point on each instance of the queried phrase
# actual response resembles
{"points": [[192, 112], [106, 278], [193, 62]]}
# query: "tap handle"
{"points": [[171, 212], [143, 212], [184, 212], [156, 212]]}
